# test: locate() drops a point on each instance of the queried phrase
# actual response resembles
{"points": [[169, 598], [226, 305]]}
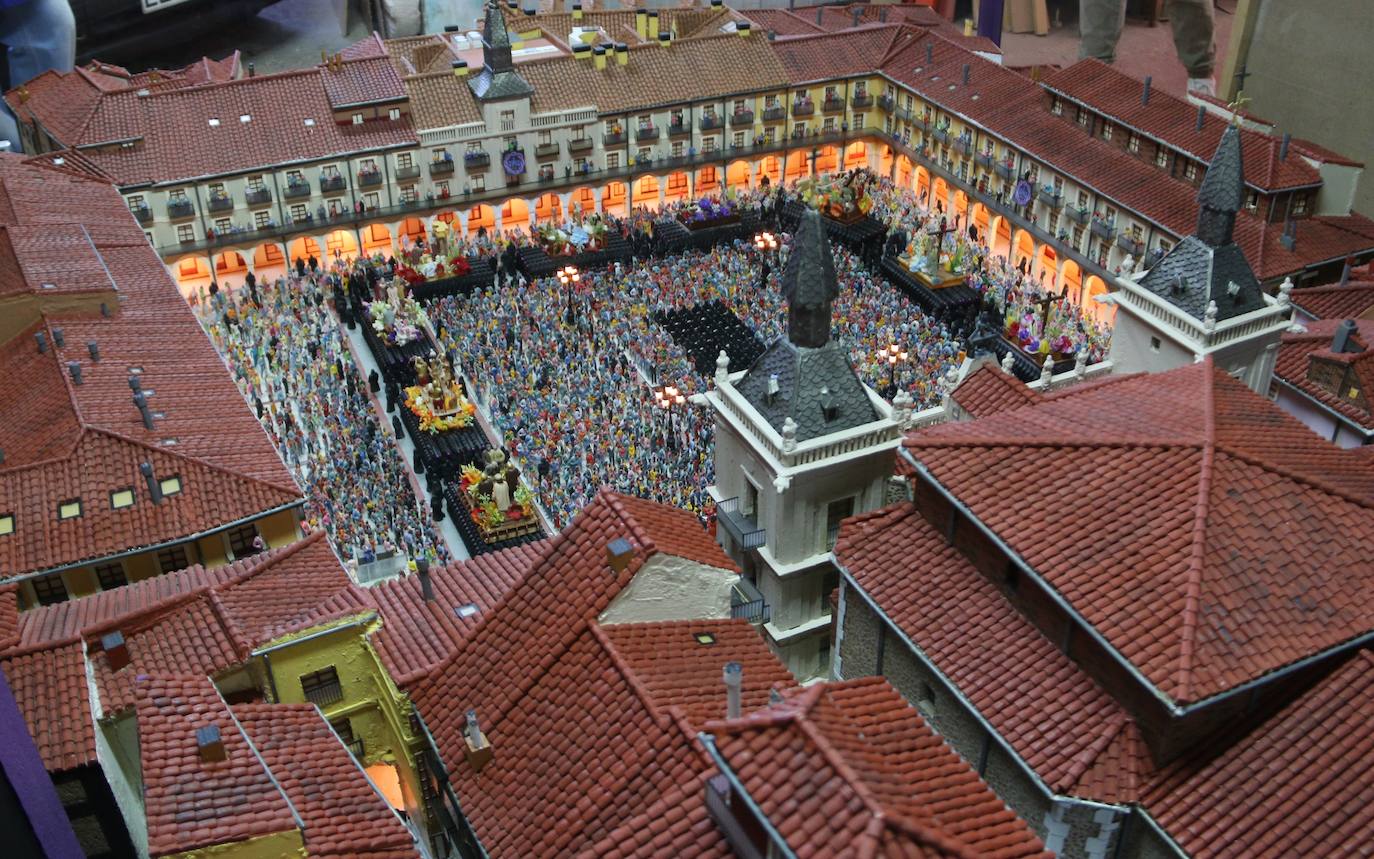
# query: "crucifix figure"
{"points": [[1237, 106], [938, 234], [1045, 304], [1241, 76]]}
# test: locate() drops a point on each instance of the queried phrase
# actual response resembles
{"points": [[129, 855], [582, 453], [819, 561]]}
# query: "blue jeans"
{"points": [[38, 35]]}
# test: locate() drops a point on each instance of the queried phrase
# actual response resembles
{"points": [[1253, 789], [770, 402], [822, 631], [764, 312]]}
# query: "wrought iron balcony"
{"points": [[679, 128], [777, 113], [646, 132], [580, 144], [221, 204], [1104, 228], [1050, 197], [964, 145], [324, 694], [742, 117], [613, 138], [803, 108], [180, 209], [1078, 214], [369, 178], [887, 103], [1005, 170], [941, 135], [446, 166], [862, 99], [833, 105], [142, 213], [546, 150], [296, 190], [410, 171], [331, 183], [742, 527], [258, 196], [710, 121], [748, 604], [984, 159], [1130, 244]]}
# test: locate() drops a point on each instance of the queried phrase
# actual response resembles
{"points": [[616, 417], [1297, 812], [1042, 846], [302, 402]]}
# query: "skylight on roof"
{"points": [[466, 610], [69, 509], [121, 498], [309, 122], [704, 638], [169, 442], [6, 524], [214, 122], [245, 117], [59, 161], [170, 485]]}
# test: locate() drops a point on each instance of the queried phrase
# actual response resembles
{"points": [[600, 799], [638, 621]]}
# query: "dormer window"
{"points": [[1081, 117], [1057, 106], [1190, 171], [1251, 201], [394, 113], [357, 119], [1106, 131]]}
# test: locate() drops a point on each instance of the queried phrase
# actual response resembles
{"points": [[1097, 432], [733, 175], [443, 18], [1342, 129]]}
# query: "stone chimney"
{"points": [[154, 488], [116, 651], [210, 744], [734, 679], [426, 585], [478, 747], [618, 554]]}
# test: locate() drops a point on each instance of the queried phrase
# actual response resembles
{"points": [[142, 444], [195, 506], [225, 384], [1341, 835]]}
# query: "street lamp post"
{"points": [[668, 398], [569, 277], [892, 355], [767, 245]]}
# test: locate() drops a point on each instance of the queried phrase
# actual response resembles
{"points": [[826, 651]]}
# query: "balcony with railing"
{"points": [[833, 104], [1104, 227], [941, 135], [645, 133], [742, 117], [984, 160], [776, 113], [545, 151], [1050, 196], [861, 99], [369, 178], [221, 202], [741, 526], [142, 213], [332, 183], [887, 103], [803, 107], [964, 144], [613, 138], [477, 159], [324, 694], [180, 209], [747, 603], [1078, 214], [410, 171], [258, 196], [580, 144], [1130, 244], [297, 188], [679, 127], [1006, 169], [710, 121]]}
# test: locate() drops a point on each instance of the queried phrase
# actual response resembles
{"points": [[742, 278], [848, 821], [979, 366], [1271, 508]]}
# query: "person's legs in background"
{"points": [[1193, 27], [1099, 27], [37, 35]]}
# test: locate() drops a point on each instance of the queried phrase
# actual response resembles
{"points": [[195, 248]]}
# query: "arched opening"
{"points": [[192, 274], [828, 160], [230, 263], [856, 155], [480, 217], [708, 181], [978, 222], [342, 245], [798, 166], [961, 205], [737, 175], [676, 187], [409, 231], [922, 186], [515, 215], [1023, 251], [1105, 314], [269, 262], [303, 249], [583, 201], [905, 168], [1071, 281], [771, 166], [886, 161], [613, 198], [548, 208], [939, 198], [646, 192], [377, 239], [1001, 237], [1047, 269]]}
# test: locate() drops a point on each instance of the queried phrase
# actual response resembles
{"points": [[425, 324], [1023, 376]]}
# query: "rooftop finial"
{"points": [[809, 284]]}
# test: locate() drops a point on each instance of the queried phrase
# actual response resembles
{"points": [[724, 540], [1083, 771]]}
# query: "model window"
{"points": [[186, 233], [262, 219], [241, 540], [1300, 204], [394, 113], [1133, 143], [111, 575], [612, 160], [121, 498], [172, 558], [1161, 157], [6, 524], [50, 589], [223, 225], [1106, 131], [835, 513], [404, 160], [1057, 106], [136, 202], [1082, 117], [322, 687], [69, 509], [1190, 171], [171, 485]]}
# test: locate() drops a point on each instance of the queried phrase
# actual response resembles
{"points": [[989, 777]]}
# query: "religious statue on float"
{"points": [[398, 319], [499, 504], [437, 397], [844, 198]]}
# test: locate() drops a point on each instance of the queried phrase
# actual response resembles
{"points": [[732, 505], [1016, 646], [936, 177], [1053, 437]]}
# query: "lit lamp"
{"points": [[668, 398], [766, 242], [569, 276], [892, 355]]}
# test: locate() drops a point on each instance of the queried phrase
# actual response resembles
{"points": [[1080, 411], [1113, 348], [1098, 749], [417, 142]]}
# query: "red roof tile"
{"points": [[415, 636], [1354, 299], [988, 390], [676, 670], [1201, 489], [677, 824], [1298, 785], [344, 815], [1296, 352], [232, 800], [84, 441], [834, 55], [850, 769], [362, 81], [50, 687]]}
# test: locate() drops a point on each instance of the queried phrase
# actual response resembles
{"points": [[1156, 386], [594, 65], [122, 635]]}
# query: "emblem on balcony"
{"points": [[1022, 194], [513, 162]]}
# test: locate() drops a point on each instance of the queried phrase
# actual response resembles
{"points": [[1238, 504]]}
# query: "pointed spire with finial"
{"points": [[1223, 191], [498, 79], [809, 284]]}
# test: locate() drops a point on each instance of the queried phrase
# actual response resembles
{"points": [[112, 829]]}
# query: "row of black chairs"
{"points": [[703, 330]]}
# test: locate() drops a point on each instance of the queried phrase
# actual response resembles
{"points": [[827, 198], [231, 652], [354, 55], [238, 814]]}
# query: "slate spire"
{"points": [[809, 284], [498, 79], [1223, 191]]}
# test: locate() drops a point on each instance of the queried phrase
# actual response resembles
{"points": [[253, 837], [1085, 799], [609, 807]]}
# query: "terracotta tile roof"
{"points": [[9, 617], [414, 636], [50, 687], [343, 815], [677, 824], [441, 99], [1202, 489], [1354, 299], [361, 81], [233, 800], [1172, 119], [1051, 713], [549, 694], [850, 769], [782, 22], [676, 670], [1321, 238], [84, 441], [1297, 350], [1296, 786], [837, 55], [61, 103], [692, 70], [372, 46], [619, 24], [988, 390]]}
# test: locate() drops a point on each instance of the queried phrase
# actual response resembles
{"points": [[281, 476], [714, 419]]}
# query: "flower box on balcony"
{"points": [[258, 197], [1078, 214], [887, 102], [833, 105], [142, 213], [1104, 228], [180, 209], [742, 117], [331, 183], [777, 113], [222, 204], [1050, 197], [1006, 171], [983, 159], [580, 144], [613, 138], [679, 129], [709, 121], [479, 160], [941, 136], [862, 99], [1130, 245], [409, 172], [646, 132], [296, 190], [369, 178], [803, 108], [545, 151], [964, 145], [445, 166]]}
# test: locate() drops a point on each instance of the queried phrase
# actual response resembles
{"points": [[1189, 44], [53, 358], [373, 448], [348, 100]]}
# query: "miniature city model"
{"points": [[695, 432]]}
